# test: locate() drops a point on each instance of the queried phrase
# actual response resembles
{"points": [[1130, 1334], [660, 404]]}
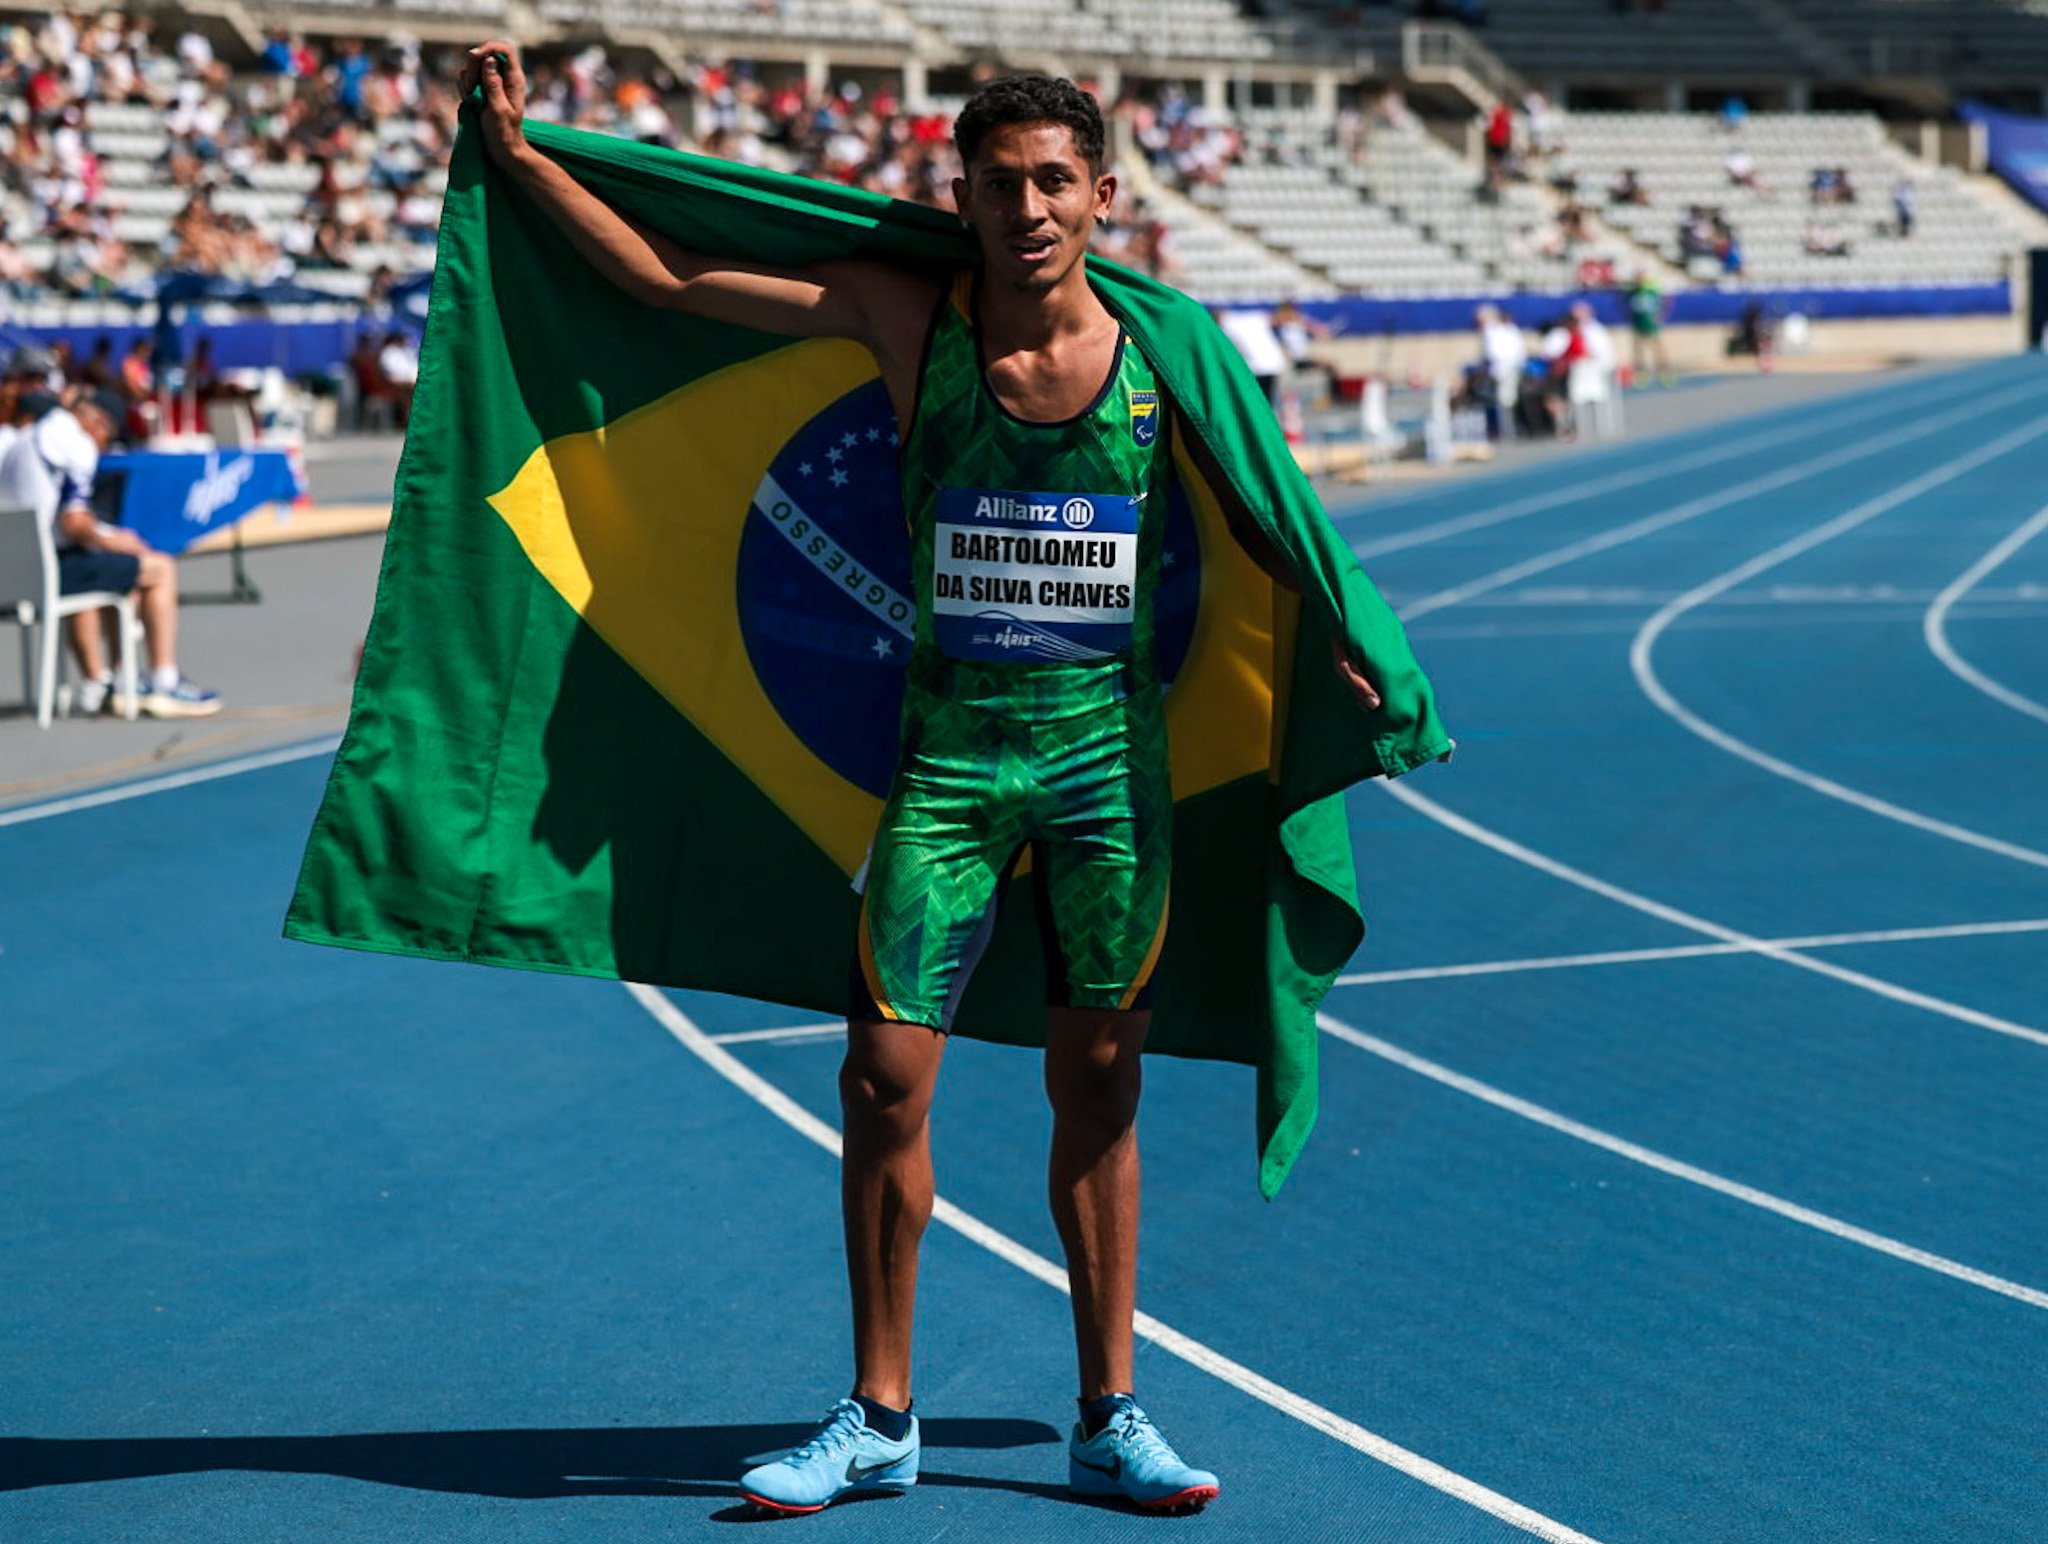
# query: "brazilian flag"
{"points": [[628, 705]]}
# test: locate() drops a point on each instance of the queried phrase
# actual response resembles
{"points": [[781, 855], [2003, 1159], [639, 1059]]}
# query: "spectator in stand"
{"points": [[1741, 168], [1545, 135], [17, 279], [49, 466], [1500, 139], [1727, 249], [1905, 196], [1824, 238], [1627, 188]]}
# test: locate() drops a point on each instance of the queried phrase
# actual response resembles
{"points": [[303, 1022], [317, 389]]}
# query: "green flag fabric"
{"points": [[628, 703]]}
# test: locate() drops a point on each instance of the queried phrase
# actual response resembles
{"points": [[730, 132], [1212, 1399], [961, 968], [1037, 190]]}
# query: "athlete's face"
{"points": [[1032, 200]]}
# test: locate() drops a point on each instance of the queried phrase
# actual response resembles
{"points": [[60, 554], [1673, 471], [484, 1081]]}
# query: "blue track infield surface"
{"points": [[1680, 1172]]}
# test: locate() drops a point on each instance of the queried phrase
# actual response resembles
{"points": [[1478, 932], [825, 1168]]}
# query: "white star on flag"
{"points": [[840, 479]]}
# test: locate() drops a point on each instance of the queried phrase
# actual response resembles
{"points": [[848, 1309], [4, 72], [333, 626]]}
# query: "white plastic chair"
{"points": [[1596, 406], [29, 598]]}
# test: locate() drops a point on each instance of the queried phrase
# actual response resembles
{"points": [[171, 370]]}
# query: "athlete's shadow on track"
{"points": [[525, 1465]]}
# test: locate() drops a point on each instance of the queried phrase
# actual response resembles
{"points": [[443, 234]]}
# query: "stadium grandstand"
{"points": [[1389, 165]]}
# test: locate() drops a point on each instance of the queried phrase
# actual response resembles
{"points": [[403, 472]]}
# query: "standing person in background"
{"points": [[1297, 332], [1647, 310], [1252, 332], [398, 365], [1504, 354], [1500, 136]]}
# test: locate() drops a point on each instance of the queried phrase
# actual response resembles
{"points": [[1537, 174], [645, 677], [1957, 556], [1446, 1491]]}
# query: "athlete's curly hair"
{"points": [[1030, 99]]}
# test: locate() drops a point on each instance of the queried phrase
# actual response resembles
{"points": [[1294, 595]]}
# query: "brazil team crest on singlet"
{"points": [[824, 583], [1144, 417]]}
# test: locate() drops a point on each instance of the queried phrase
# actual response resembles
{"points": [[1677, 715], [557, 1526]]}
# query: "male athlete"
{"points": [[1035, 469]]}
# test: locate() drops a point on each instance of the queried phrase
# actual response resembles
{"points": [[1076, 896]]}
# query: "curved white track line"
{"points": [[1645, 643], [1508, 847], [24, 813], [1639, 956], [1934, 626], [1500, 514], [1692, 509], [2033, 1297], [1160, 1334]]}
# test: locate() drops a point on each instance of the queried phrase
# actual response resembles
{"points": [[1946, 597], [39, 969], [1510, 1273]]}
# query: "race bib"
{"points": [[1034, 577]]}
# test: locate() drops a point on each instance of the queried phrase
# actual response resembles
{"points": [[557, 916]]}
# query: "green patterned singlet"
{"points": [[1033, 716]]}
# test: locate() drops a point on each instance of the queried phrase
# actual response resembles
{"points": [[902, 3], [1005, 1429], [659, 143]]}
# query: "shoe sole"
{"points": [[180, 709], [783, 1508], [1193, 1499], [1190, 1500], [794, 1509]]}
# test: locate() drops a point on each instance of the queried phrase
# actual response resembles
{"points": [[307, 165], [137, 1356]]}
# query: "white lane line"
{"points": [[820, 1030], [1508, 847], [1164, 1336], [1934, 627], [1574, 492], [1680, 952], [205, 774], [1637, 596], [2033, 1297], [1692, 509], [1642, 650]]}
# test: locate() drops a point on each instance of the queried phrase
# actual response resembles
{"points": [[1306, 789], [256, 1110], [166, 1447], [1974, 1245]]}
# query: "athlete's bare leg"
{"points": [[1093, 1077], [885, 1092]]}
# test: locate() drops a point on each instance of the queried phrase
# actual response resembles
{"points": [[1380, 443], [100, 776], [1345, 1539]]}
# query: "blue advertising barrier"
{"points": [[172, 498], [1364, 315], [316, 347], [297, 348], [2016, 144]]}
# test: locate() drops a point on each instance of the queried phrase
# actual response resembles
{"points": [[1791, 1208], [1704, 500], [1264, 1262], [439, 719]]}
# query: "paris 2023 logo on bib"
{"points": [[825, 603]]}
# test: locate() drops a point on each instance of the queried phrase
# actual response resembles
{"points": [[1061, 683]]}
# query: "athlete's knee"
{"points": [[1094, 1071], [885, 1082]]}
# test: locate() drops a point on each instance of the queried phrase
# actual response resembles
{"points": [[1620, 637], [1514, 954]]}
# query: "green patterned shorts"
{"points": [[1088, 793]]}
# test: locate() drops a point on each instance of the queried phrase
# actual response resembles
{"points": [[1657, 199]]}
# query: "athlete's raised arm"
{"points": [[862, 301]]}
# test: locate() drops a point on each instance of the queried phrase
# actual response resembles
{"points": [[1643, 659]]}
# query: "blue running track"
{"points": [[1682, 1175]]}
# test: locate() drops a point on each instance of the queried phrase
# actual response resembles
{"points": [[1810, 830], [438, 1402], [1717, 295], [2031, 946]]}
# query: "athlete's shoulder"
{"points": [[897, 302]]}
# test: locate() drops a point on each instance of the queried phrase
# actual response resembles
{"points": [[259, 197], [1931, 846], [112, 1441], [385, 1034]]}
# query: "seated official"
{"points": [[49, 466]]}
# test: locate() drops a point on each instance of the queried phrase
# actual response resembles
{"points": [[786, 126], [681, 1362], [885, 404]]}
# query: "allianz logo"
{"points": [[1077, 514], [217, 487]]}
